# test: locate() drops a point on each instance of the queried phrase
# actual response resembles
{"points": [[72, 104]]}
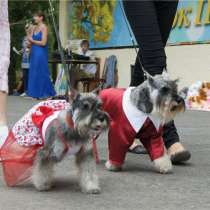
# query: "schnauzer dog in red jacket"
{"points": [[140, 112]]}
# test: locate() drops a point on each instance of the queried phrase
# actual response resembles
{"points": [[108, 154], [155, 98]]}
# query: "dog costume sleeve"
{"points": [[121, 134], [126, 122], [152, 139]]}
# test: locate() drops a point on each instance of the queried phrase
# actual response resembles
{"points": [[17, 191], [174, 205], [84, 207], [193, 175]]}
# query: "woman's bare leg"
{"points": [[3, 101], [4, 65]]}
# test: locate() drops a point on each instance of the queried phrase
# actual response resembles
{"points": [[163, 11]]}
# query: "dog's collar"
{"points": [[136, 117], [70, 124]]}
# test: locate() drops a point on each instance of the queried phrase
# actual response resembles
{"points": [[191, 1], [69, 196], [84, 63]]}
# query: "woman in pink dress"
{"points": [[4, 65]]}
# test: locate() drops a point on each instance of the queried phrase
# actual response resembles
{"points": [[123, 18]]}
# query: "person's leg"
{"points": [[24, 80], [4, 65], [137, 148], [3, 100], [4, 131], [151, 34], [170, 135], [167, 9], [143, 20], [142, 17]]}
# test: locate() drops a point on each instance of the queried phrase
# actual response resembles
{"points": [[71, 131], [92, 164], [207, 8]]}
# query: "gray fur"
{"points": [[159, 95], [89, 121], [141, 98]]}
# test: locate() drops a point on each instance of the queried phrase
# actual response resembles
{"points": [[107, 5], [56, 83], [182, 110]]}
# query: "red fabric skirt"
{"points": [[17, 161]]}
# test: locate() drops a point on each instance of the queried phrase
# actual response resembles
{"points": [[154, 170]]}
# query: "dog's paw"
{"points": [[91, 188], [92, 191], [43, 187], [109, 166], [163, 164]]}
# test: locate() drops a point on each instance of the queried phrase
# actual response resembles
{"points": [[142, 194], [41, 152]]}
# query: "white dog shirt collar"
{"points": [[136, 117]]}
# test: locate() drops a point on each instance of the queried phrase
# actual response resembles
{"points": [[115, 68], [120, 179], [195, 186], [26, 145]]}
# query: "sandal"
{"points": [[180, 157], [138, 149]]}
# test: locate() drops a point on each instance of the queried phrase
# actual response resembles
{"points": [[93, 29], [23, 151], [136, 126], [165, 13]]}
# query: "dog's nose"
{"points": [[179, 99]]}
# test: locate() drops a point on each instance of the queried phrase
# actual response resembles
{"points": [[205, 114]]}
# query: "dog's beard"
{"points": [[98, 127], [168, 109], [82, 125], [89, 126]]}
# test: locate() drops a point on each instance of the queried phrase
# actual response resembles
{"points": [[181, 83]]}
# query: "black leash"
{"points": [[67, 73]]}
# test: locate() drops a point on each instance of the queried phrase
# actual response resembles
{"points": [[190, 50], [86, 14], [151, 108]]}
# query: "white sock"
{"points": [[4, 131]]}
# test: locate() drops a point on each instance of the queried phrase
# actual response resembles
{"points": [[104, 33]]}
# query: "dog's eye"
{"points": [[86, 106]]}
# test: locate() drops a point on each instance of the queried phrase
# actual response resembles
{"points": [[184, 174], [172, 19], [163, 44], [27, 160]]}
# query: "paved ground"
{"points": [[137, 187]]}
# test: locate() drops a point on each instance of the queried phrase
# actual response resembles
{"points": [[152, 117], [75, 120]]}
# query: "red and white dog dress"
{"points": [[19, 150], [128, 123]]}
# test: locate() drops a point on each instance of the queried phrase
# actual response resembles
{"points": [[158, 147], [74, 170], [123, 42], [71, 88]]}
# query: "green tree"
{"points": [[21, 12]]}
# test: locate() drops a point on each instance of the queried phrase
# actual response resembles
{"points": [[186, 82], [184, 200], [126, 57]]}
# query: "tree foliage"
{"points": [[21, 12]]}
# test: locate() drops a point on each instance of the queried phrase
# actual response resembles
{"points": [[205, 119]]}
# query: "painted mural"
{"points": [[103, 23]]}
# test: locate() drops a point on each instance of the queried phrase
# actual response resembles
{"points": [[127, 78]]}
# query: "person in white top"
{"points": [[4, 65], [89, 70]]}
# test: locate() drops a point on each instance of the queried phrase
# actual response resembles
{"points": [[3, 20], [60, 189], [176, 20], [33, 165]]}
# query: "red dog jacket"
{"points": [[128, 123]]}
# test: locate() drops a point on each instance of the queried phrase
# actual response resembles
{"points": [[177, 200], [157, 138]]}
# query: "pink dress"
{"points": [[4, 45]]}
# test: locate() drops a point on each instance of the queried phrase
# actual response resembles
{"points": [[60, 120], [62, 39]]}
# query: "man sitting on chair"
{"points": [[86, 70]]}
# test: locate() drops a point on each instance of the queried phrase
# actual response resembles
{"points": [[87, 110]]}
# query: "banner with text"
{"points": [[103, 23]]}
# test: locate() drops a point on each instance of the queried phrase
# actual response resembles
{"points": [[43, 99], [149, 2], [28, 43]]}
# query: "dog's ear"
{"points": [[184, 92], [144, 103]]}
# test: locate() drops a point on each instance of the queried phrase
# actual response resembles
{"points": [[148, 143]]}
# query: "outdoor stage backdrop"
{"points": [[102, 22]]}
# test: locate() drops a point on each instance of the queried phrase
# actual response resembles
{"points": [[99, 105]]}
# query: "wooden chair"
{"points": [[90, 84]]}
